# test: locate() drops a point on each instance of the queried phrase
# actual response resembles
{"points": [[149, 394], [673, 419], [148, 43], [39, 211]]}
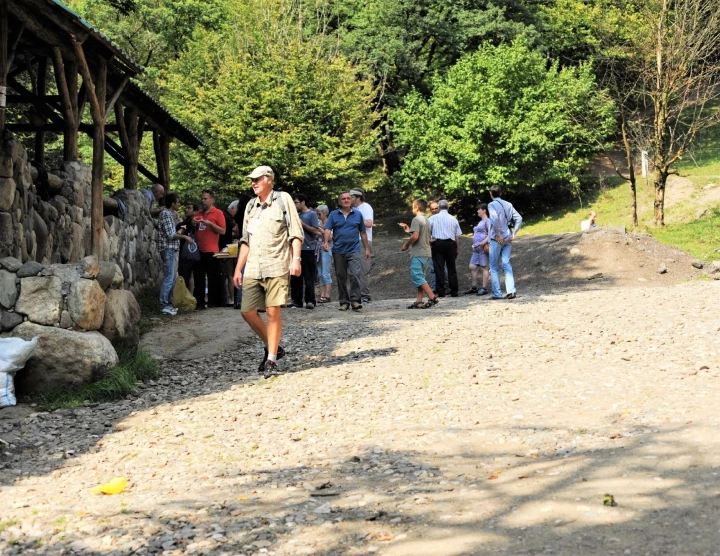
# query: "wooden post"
{"points": [[41, 91], [4, 62], [69, 105], [161, 144], [127, 121]]}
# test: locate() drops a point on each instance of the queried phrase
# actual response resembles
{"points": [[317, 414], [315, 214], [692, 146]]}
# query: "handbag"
{"points": [[190, 251], [486, 248]]}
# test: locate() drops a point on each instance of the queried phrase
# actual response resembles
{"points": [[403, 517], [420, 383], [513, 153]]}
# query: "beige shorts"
{"points": [[264, 293]]}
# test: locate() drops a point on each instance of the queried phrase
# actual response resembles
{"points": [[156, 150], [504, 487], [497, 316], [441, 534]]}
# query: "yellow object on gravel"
{"points": [[116, 486]]}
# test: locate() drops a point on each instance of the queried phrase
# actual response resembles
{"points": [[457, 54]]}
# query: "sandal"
{"points": [[417, 305], [431, 302], [324, 300]]}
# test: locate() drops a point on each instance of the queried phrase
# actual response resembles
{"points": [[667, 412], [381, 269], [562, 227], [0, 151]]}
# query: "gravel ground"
{"points": [[475, 427]]}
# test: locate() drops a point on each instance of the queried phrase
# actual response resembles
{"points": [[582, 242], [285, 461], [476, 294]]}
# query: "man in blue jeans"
{"points": [[343, 226], [168, 245], [502, 216]]}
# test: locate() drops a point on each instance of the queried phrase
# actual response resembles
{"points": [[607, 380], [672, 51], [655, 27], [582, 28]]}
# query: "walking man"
{"points": [[503, 216], [210, 225], [346, 228], [168, 240], [357, 197], [311, 229], [445, 232], [269, 251]]}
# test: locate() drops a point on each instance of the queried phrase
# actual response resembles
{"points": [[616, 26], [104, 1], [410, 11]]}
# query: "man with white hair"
{"points": [[153, 194], [445, 232]]}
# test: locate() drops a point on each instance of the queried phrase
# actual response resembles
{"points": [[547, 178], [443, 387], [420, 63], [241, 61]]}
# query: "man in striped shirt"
{"points": [[168, 241], [445, 237]]}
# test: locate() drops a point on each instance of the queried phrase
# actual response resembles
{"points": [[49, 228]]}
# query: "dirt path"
{"points": [[476, 427]]}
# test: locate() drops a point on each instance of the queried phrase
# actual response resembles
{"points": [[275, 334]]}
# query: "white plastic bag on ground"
{"points": [[14, 353]]}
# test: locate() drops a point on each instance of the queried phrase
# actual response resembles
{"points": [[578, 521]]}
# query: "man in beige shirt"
{"points": [[269, 251]]}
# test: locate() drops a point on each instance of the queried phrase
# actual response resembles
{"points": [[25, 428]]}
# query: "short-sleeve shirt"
{"points": [[269, 236], [310, 218], [421, 248], [346, 230], [207, 239], [368, 214]]}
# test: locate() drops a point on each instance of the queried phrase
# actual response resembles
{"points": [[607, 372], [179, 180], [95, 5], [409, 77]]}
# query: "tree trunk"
{"points": [[631, 169], [659, 205]]}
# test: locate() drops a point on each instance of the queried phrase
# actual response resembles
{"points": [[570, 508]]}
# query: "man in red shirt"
{"points": [[209, 223]]}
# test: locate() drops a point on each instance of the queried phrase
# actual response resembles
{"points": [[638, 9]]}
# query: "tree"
{"points": [[502, 116]]}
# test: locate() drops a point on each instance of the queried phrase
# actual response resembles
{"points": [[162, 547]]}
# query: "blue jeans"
{"points": [[169, 258], [497, 253], [324, 267]]}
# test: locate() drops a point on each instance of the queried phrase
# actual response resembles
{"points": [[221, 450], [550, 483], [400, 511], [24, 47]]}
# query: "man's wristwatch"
{"points": [[297, 258]]}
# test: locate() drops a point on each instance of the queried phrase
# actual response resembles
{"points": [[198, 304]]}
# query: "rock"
{"points": [[6, 234], [662, 269], [122, 319], [86, 304], [323, 509], [10, 263], [698, 264], [64, 358], [40, 299], [595, 276], [6, 166], [54, 183], [106, 276], [7, 193], [90, 267], [8, 321], [574, 251], [8, 289], [30, 268], [714, 267], [65, 320]]}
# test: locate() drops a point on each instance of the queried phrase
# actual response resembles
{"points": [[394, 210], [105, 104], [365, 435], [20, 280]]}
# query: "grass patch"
{"points": [[118, 383], [150, 311], [700, 238], [8, 523]]}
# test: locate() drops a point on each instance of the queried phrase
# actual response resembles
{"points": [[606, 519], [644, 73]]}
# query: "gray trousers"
{"points": [[348, 267], [365, 266]]}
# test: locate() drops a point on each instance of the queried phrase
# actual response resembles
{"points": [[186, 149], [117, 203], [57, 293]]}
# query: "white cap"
{"points": [[261, 171]]}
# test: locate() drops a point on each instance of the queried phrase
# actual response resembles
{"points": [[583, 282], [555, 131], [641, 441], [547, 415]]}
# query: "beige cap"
{"points": [[357, 191], [261, 171]]}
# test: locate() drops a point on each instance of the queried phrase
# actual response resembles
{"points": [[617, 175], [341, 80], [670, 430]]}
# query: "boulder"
{"points": [[6, 166], [106, 276], [7, 193], [90, 267], [64, 358], [10, 263], [122, 319], [8, 289], [40, 299], [8, 320], [6, 234], [86, 304], [30, 268]]}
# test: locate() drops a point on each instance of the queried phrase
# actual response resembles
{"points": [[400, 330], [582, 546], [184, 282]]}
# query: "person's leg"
{"points": [[199, 280], [507, 268], [168, 258], [257, 324], [439, 267], [495, 249], [354, 270], [365, 265], [214, 280], [274, 330], [342, 277], [309, 269], [473, 275], [451, 267], [185, 271], [485, 276]]}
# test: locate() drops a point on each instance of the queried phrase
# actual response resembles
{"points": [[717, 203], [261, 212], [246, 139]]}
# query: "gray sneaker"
{"points": [[270, 370]]}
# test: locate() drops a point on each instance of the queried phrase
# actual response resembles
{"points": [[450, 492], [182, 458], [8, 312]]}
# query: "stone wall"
{"points": [[46, 218]]}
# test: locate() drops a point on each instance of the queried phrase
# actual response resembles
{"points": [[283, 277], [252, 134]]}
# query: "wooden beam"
{"points": [[96, 110], [115, 150], [34, 99], [41, 90], [45, 109], [14, 41], [161, 145], [116, 95], [4, 58], [70, 150]]}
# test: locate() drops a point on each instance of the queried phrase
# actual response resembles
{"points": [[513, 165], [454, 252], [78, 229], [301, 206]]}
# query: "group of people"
{"points": [[287, 245], [436, 240]]}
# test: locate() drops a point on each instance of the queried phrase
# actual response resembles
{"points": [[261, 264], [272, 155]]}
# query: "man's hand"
{"points": [[237, 279], [295, 268], [367, 254], [512, 239], [326, 246], [499, 239], [405, 227], [405, 247]]}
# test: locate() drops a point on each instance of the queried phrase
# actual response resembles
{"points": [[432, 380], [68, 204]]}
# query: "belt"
{"points": [[445, 239]]}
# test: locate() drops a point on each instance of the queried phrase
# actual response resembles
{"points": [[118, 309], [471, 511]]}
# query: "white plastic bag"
{"points": [[14, 353]]}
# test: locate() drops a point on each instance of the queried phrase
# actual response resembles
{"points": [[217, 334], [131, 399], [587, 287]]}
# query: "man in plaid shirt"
{"points": [[168, 241]]}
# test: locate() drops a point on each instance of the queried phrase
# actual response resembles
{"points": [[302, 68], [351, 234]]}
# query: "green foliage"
{"points": [[133, 366], [502, 116], [260, 94]]}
